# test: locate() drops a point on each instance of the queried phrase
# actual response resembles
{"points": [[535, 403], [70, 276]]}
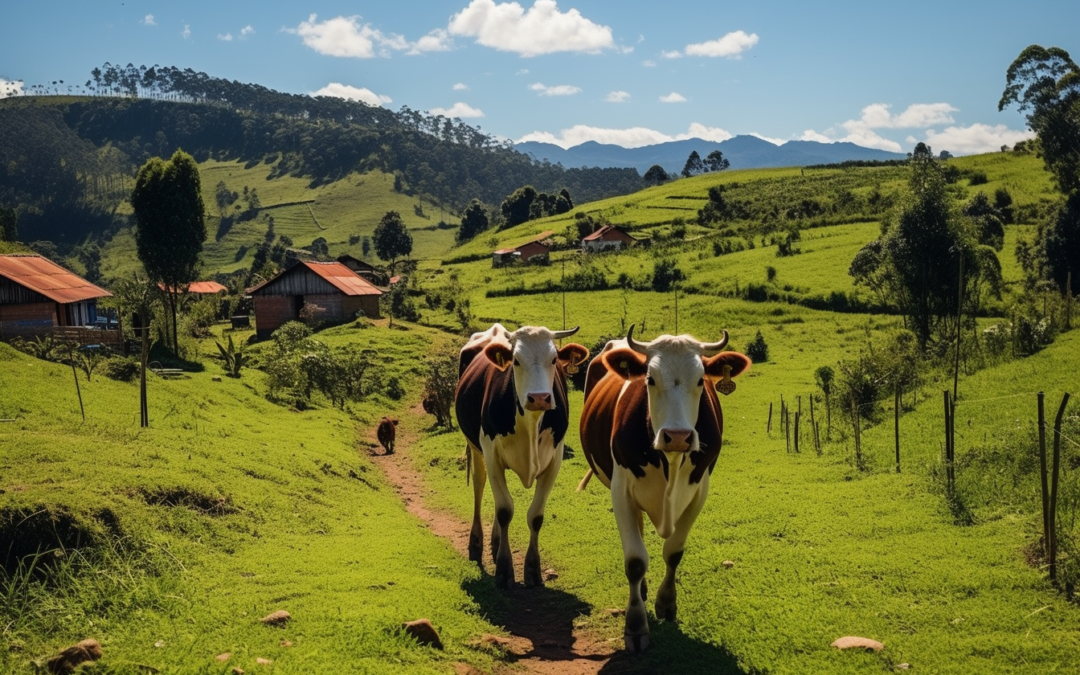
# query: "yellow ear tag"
{"points": [[624, 365], [500, 361], [726, 385], [572, 368]]}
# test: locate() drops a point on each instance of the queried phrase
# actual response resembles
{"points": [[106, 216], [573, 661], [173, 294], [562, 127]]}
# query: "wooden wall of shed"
{"points": [[27, 320], [368, 304], [298, 281], [13, 293], [271, 311]]}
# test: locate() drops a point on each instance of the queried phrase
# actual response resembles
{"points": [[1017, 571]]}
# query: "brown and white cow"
{"points": [[387, 434], [511, 405], [651, 430]]}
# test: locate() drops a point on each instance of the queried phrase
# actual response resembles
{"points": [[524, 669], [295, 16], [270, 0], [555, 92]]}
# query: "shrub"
{"points": [[666, 274], [120, 368], [439, 388], [394, 390], [977, 177], [757, 350]]}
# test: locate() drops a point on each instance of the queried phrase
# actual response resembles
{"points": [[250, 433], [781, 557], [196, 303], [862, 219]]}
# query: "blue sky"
{"points": [[881, 74]]}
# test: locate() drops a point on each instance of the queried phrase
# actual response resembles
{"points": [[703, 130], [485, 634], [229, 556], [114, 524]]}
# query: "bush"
{"points": [[757, 350], [665, 275], [394, 390], [977, 177], [120, 368]]}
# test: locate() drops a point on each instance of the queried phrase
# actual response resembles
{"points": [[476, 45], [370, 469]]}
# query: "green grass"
{"points": [[306, 525]]}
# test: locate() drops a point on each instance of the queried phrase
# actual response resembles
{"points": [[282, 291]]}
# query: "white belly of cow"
{"points": [[527, 452], [664, 500]]}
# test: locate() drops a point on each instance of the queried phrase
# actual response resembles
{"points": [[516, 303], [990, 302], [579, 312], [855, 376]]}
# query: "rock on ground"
{"points": [[424, 632], [72, 657], [855, 642]]}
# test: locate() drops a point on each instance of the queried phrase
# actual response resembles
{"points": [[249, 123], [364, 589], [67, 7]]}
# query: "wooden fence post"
{"points": [[948, 443], [1054, 487], [768, 427], [787, 429], [813, 426], [71, 357], [896, 425], [797, 416], [1043, 478]]}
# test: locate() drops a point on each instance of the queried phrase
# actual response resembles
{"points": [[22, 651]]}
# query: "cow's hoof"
{"points": [[504, 574], [665, 611], [476, 554], [533, 577], [636, 643]]}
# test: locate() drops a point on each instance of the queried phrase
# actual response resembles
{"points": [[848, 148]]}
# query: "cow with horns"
{"points": [[651, 430], [511, 405]]}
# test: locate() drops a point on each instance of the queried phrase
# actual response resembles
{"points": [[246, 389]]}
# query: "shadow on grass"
{"points": [[546, 616]]}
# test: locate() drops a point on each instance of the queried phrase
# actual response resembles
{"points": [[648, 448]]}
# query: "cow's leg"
{"points": [[544, 483], [635, 561], [504, 513], [476, 536], [673, 552]]}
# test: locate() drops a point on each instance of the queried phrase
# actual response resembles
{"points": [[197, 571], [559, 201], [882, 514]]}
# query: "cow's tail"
{"points": [[468, 463], [585, 480]]}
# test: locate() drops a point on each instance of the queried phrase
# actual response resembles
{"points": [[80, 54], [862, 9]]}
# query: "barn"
{"points": [[331, 289], [364, 269], [607, 237], [37, 296], [530, 252]]}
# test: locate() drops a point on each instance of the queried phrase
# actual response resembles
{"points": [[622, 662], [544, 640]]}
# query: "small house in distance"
{"points": [[37, 296], [607, 237], [365, 269], [337, 291], [530, 252]]}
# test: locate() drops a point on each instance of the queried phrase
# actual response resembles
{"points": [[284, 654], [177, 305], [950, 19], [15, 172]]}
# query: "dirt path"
{"points": [[540, 621]]}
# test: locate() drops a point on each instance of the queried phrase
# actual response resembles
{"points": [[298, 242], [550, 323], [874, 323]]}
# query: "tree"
{"points": [[391, 239], [170, 229], [9, 224], [824, 377], [564, 204], [715, 161], [694, 166], [656, 175], [515, 208], [666, 274], [473, 221], [135, 296], [1045, 84], [365, 246], [439, 388]]}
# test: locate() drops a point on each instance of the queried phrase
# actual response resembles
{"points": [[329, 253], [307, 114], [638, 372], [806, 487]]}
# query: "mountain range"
{"points": [[744, 152]]}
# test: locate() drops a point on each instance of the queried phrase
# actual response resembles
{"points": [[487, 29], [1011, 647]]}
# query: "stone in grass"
{"points": [[237, 670], [424, 632], [72, 657], [728, 564], [222, 658], [854, 642], [263, 662], [278, 618]]}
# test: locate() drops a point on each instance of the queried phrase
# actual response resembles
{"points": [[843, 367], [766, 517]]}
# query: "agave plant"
{"points": [[234, 358]]}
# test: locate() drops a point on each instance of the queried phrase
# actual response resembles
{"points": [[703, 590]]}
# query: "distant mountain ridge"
{"points": [[744, 152]]}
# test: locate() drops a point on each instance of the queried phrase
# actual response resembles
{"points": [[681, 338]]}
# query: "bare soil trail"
{"points": [[540, 621]]}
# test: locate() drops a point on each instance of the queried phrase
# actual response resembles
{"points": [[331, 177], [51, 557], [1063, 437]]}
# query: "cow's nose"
{"points": [[538, 402], [676, 440]]}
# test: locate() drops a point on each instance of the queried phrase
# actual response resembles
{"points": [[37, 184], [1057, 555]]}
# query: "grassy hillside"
{"points": [[227, 508]]}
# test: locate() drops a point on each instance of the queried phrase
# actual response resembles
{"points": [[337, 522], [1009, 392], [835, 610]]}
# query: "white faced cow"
{"points": [[651, 430], [511, 406]]}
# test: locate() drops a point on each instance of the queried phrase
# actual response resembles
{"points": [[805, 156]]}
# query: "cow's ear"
{"points": [[573, 355], [394, 422], [500, 354], [717, 367], [626, 362]]}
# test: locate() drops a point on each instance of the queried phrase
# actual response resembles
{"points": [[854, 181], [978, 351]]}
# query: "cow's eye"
{"points": [[701, 382], [553, 361], [517, 363], [651, 381]]}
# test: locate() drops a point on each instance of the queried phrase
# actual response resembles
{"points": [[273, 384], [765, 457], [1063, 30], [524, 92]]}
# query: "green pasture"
{"points": [[226, 509]]}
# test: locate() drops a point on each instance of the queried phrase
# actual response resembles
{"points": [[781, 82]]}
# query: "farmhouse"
{"points": [[333, 291], [533, 251], [37, 295], [607, 237]]}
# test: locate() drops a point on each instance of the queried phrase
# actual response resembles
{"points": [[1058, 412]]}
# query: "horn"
{"points": [[711, 348], [639, 347], [562, 334]]}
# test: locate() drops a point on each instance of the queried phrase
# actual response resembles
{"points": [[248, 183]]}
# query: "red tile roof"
{"points": [[43, 276], [607, 233], [336, 274]]}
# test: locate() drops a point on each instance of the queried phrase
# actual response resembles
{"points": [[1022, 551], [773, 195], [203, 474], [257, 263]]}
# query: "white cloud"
{"points": [[649, 63], [811, 135], [10, 88], [186, 33], [227, 37], [774, 141], [917, 115], [338, 90], [731, 45], [459, 109], [460, 86], [634, 137], [246, 31], [557, 90], [437, 40], [522, 71], [148, 20], [673, 97], [542, 29], [676, 54], [975, 138], [346, 37], [617, 97]]}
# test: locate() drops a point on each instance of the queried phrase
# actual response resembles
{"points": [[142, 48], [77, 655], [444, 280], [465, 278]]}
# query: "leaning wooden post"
{"points": [[1043, 478], [813, 426], [787, 429], [783, 412], [896, 425], [1054, 487], [948, 441], [71, 357], [768, 427], [797, 416]]}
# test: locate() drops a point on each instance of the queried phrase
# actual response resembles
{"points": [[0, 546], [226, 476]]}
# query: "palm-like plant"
{"points": [[233, 357]]}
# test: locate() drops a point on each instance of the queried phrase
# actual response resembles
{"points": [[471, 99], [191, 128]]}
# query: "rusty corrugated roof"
{"points": [[336, 274], [606, 232], [43, 276], [201, 287]]}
